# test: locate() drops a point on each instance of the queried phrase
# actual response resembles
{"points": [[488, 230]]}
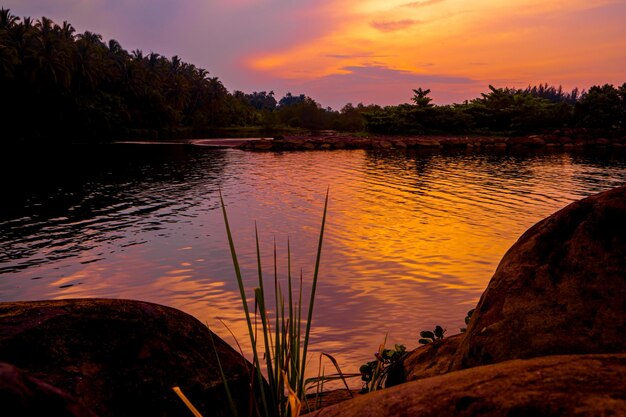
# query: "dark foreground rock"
{"points": [[25, 396], [576, 385], [120, 357], [560, 289]]}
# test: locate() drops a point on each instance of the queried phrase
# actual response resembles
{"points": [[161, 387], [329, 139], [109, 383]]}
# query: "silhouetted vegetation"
{"points": [[58, 84], [506, 111]]}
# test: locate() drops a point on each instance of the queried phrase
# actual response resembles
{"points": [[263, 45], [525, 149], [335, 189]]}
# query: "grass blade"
{"points": [[312, 301], [244, 301]]}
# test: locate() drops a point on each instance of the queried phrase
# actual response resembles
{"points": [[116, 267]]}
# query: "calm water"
{"points": [[411, 241]]}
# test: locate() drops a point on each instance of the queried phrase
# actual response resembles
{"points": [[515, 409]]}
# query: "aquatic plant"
{"points": [[467, 320], [427, 336], [374, 373]]}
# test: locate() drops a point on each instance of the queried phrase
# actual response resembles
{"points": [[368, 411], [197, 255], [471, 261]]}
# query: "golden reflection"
{"points": [[411, 241]]}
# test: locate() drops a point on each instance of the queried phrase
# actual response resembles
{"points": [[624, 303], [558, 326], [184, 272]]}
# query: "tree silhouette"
{"points": [[420, 98]]}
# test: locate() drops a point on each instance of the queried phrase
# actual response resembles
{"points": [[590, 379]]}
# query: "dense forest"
{"points": [[60, 84]]}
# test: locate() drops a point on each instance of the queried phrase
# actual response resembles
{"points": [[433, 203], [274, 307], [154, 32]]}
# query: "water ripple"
{"points": [[412, 238]]}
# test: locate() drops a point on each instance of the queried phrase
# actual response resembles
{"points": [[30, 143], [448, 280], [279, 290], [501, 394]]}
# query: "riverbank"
{"points": [[568, 139]]}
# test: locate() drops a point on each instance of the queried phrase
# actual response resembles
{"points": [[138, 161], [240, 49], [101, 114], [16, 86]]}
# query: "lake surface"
{"points": [[411, 240]]}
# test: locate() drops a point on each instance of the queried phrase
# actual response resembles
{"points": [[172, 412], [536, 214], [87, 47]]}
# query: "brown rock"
{"points": [[23, 395], [427, 143], [550, 139], [533, 141], [430, 360], [262, 145], [120, 357], [565, 140], [583, 385], [382, 144], [560, 289]]}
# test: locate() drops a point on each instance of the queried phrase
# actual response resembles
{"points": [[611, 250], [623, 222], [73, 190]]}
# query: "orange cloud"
{"points": [[516, 44]]}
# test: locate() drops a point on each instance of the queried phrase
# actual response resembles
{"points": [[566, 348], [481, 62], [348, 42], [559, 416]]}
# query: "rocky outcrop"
{"points": [[25, 396], [567, 139], [122, 358], [576, 385], [560, 289], [554, 308]]}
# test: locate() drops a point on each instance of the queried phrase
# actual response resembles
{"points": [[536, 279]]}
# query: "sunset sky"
{"points": [[340, 51]]}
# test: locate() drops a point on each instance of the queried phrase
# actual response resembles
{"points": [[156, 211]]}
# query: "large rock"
{"points": [[25, 396], [560, 289], [122, 358], [585, 385]]}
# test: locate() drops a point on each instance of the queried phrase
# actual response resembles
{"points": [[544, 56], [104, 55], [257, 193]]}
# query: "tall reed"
{"points": [[283, 348]]}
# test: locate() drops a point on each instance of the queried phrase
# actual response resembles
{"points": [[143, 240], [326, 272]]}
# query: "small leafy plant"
{"points": [[427, 336], [468, 318], [374, 373]]}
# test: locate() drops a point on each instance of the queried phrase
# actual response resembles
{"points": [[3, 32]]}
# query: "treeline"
{"points": [[506, 111], [58, 84]]}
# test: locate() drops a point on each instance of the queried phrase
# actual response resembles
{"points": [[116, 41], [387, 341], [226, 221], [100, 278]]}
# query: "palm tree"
{"points": [[52, 56], [7, 20], [89, 59]]}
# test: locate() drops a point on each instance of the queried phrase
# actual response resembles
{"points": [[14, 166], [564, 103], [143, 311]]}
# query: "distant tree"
{"points": [[290, 100], [552, 93], [601, 107], [261, 100], [420, 98]]}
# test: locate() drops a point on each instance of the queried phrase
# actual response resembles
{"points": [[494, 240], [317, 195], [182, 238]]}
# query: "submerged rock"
{"points": [[560, 289], [122, 358], [580, 385]]}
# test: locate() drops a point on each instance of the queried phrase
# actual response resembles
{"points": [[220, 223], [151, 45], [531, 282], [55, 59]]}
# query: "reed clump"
{"points": [[280, 345]]}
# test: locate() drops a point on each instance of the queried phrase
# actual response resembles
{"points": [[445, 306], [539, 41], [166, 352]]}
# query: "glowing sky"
{"points": [[339, 51]]}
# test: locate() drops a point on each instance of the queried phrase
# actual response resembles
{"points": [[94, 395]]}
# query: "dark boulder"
{"points": [[122, 358], [560, 289]]}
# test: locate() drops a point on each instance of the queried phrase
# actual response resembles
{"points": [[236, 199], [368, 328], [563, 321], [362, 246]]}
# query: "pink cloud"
{"points": [[393, 25]]}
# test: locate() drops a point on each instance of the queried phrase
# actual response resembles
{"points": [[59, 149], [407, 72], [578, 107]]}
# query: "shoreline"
{"points": [[564, 140]]}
